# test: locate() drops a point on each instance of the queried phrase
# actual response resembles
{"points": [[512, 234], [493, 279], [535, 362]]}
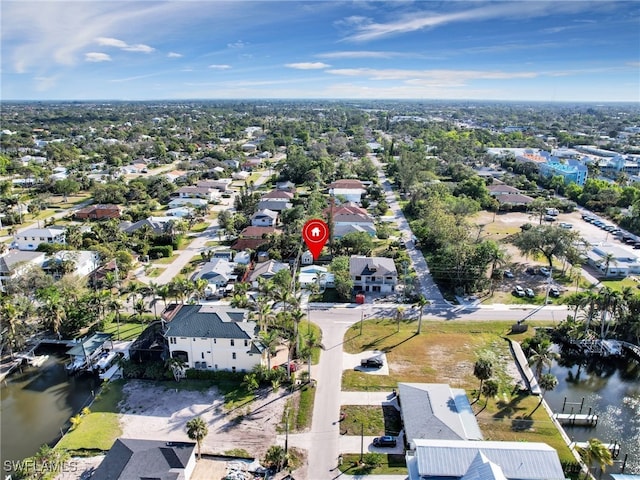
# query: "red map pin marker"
{"points": [[315, 234]]}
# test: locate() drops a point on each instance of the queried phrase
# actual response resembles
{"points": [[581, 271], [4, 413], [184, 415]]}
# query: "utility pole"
{"points": [[361, 442], [361, 319], [286, 428], [549, 280]]}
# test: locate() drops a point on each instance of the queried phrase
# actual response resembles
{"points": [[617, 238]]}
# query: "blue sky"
{"points": [[561, 50]]}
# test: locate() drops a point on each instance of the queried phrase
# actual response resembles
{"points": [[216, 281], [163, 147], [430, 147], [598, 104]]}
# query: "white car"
{"points": [[508, 274], [545, 271], [518, 291]]}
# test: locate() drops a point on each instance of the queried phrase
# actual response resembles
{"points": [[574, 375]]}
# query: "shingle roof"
{"points": [[347, 183], [371, 265], [265, 213], [282, 194], [208, 321], [256, 232], [16, 257], [518, 460], [133, 459], [275, 205]]}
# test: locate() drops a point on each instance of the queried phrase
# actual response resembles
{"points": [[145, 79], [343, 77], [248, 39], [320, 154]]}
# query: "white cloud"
{"points": [[174, 55], [97, 57], [365, 54], [429, 76], [366, 31], [307, 65], [114, 42], [238, 44], [45, 83], [216, 66]]}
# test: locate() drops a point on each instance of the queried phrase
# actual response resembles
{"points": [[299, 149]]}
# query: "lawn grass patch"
{"points": [[99, 429], [619, 285], [390, 464], [164, 260], [305, 327], [199, 227], [305, 408], [376, 420], [154, 272], [128, 331]]}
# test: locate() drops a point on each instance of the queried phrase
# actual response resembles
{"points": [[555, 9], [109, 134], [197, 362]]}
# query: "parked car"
{"points": [[508, 273], [292, 367], [529, 293], [545, 271], [518, 291], [386, 441], [531, 271], [373, 362], [549, 218], [554, 292], [566, 225]]}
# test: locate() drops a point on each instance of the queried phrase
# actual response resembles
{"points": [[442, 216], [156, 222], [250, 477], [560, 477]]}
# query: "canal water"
{"points": [[611, 389], [37, 403]]}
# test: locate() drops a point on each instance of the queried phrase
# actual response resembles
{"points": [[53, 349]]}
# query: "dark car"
{"points": [[386, 441], [373, 362], [554, 292]]}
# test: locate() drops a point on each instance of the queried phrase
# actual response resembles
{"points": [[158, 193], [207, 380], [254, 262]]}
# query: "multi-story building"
{"points": [[373, 274]]}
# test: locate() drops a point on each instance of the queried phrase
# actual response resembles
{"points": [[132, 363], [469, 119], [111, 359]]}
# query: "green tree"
{"points": [[595, 451], [545, 240], [542, 356], [489, 389], [197, 430], [270, 340], [276, 457], [482, 370], [422, 302], [547, 382]]}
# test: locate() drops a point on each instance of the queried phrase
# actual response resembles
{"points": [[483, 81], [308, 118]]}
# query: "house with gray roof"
{"points": [[264, 218], [436, 411], [133, 459], [214, 337], [32, 237], [266, 270], [16, 262], [480, 460], [373, 274], [218, 272]]}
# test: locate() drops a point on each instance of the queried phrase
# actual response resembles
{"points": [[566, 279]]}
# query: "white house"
{"points": [[214, 338], [621, 262], [16, 262], [206, 193], [315, 274], [31, 238], [84, 262], [264, 218], [193, 202], [221, 184], [350, 189], [373, 274], [218, 273], [463, 459]]}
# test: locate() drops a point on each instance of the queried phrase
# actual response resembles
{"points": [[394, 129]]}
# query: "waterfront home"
{"points": [[87, 350], [31, 238], [213, 337], [16, 262]]}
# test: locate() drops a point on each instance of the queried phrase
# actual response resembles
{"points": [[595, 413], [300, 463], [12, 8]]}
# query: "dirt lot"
{"points": [[152, 412]]}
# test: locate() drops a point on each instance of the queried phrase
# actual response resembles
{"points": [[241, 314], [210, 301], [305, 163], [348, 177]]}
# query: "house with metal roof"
{"points": [[133, 459], [212, 337], [373, 274], [436, 411], [31, 238], [480, 460], [86, 351], [218, 272], [16, 262]]}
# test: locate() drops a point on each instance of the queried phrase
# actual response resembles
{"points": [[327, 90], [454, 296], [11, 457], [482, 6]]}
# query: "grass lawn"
{"points": [[445, 353], [163, 260], [153, 272], [620, 284], [377, 420], [128, 331], [305, 408], [253, 177], [57, 201], [390, 464], [101, 427], [305, 327], [199, 227]]}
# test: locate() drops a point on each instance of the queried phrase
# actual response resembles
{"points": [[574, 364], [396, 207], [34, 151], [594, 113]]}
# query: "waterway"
{"points": [[611, 389], [37, 403]]}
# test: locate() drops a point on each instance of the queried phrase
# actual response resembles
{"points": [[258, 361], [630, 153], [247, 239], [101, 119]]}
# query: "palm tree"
{"points": [[270, 340], [114, 306], [164, 292], [310, 342], [422, 302], [197, 430], [595, 451], [200, 285], [297, 315], [542, 357], [609, 302], [177, 366], [399, 316], [482, 370], [608, 259], [140, 307], [489, 389], [53, 312], [262, 308], [547, 382]]}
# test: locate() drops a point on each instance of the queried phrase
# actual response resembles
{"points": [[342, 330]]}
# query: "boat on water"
{"points": [[86, 352]]}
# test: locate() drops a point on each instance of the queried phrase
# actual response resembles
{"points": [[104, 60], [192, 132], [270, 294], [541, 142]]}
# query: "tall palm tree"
{"points": [[270, 340], [489, 389], [608, 259], [140, 307], [262, 307], [200, 286], [297, 315], [422, 302], [399, 316], [53, 313], [197, 430], [609, 302], [114, 306], [310, 342], [547, 382], [164, 292], [542, 357], [595, 451]]}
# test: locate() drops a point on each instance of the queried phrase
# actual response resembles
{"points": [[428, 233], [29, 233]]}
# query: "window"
{"points": [[358, 277], [246, 343], [233, 369], [172, 340], [214, 340], [202, 354], [233, 342], [233, 355]]}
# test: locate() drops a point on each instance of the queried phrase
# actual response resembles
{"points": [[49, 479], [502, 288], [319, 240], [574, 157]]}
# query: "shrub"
{"points": [[161, 251]]}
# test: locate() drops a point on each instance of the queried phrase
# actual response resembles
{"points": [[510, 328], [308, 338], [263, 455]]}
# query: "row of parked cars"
{"points": [[613, 230], [518, 291]]}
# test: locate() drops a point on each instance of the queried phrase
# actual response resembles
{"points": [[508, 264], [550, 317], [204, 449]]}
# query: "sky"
{"points": [[561, 50]]}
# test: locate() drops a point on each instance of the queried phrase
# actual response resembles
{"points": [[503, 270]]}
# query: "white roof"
{"points": [[518, 460], [483, 469]]}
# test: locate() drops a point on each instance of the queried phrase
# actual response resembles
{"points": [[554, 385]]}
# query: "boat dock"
{"points": [[583, 419]]}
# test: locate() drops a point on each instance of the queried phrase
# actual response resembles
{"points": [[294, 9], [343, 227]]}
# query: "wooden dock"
{"points": [[583, 419]]}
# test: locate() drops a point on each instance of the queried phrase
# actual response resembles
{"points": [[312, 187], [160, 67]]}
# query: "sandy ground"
{"points": [[152, 412]]}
